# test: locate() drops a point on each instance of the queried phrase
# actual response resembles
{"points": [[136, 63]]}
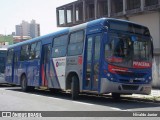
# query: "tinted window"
{"points": [[10, 56], [25, 50], [76, 37], [129, 27], [76, 43], [35, 50], [59, 46]]}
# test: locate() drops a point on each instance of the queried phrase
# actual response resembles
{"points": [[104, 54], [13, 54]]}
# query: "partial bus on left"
{"points": [[3, 54]]}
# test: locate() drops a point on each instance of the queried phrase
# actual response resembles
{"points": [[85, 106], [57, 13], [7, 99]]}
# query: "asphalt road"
{"points": [[13, 99]]}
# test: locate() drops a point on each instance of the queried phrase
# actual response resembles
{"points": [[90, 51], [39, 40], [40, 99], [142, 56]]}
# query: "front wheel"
{"points": [[75, 88]]}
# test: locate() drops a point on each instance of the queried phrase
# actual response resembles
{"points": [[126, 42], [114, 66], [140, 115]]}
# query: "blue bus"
{"points": [[101, 56]]}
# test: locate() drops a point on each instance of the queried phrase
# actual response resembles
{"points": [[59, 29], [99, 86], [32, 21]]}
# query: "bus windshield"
{"points": [[127, 50]]}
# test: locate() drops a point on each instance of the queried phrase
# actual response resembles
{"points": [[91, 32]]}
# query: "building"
{"points": [[17, 39], [34, 29], [145, 12], [28, 29]]}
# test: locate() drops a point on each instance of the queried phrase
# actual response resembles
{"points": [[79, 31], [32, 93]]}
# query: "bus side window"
{"points": [[25, 50], [75, 46], [38, 50], [32, 51], [60, 46], [10, 56]]}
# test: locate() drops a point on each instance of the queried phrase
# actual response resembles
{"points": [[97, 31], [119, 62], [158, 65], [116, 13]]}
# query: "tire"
{"points": [[75, 88], [24, 86], [116, 96]]}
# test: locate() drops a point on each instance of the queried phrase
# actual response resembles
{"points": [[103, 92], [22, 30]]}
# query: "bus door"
{"points": [[15, 72], [92, 58], [46, 50]]}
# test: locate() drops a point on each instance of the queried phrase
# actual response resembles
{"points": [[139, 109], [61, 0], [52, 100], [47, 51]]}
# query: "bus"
{"points": [[3, 55], [101, 56]]}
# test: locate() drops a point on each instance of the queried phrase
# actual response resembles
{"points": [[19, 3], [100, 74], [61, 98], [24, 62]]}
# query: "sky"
{"points": [[12, 12]]}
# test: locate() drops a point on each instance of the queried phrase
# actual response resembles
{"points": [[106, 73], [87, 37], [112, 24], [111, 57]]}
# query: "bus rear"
{"points": [[127, 61]]}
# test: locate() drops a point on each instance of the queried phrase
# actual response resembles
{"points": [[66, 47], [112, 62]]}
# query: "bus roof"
{"points": [[100, 21]]}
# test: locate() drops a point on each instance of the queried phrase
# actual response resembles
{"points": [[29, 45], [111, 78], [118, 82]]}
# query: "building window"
{"points": [[116, 6], [61, 17], [90, 9], [79, 11], [102, 8], [75, 46], [59, 46], [69, 14], [133, 4], [151, 2]]}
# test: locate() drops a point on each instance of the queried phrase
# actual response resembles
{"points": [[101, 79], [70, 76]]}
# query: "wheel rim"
{"points": [[23, 83]]}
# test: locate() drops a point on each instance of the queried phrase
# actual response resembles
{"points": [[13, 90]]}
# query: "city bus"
{"points": [[3, 55], [99, 57]]}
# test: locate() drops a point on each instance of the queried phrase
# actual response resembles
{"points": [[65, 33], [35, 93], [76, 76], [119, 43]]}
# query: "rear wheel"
{"points": [[116, 96], [24, 83], [75, 88]]}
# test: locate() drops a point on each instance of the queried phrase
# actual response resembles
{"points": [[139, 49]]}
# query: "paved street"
{"points": [[13, 99]]}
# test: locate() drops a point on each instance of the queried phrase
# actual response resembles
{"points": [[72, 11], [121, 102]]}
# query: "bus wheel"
{"points": [[74, 88], [24, 83], [116, 96]]}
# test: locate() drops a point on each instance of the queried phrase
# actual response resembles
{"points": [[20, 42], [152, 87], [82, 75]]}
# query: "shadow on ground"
{"points": [[124, 103]]}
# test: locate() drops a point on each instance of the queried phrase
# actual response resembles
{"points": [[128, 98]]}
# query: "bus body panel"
{"points": [[114, 87], [74, 65]]}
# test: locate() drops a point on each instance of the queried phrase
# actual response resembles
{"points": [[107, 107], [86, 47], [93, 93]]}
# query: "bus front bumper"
{"points": [[115, 87]]}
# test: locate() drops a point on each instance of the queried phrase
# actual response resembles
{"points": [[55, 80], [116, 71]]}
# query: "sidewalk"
{"points": [[153, 97]]}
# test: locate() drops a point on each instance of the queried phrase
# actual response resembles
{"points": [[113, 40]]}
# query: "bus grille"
{"points": [[130, 87], [133, 75], [128, 81]]}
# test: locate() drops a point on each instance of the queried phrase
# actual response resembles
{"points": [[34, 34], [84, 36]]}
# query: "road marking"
{"points": [[114, 108], [56, 98], [82, 103]]}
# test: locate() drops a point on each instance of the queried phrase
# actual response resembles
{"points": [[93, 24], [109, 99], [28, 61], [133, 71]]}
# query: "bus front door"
{"points": [[92, 58], [46, 49]]}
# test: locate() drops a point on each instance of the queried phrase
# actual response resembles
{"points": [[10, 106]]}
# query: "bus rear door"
{"points": [[46, 50]]}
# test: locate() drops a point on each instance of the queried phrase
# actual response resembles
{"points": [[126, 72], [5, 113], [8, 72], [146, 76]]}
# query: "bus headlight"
{"points": [[112, 79], [150, 77], [108, 75]]}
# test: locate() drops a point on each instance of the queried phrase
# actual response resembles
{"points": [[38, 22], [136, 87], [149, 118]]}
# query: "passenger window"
{"points": [[10, 56], [59, 46], [75, 46], [35, 50], [25, 50]]}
